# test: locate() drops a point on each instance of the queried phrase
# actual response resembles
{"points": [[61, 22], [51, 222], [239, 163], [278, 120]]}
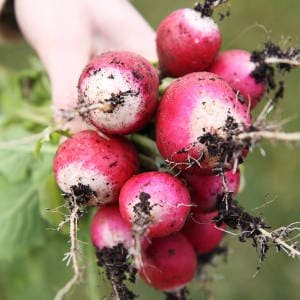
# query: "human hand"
{"points": [[66, 33]]}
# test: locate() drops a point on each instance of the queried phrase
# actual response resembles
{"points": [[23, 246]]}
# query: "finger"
{"points": [[122, 26], [60, 32]]}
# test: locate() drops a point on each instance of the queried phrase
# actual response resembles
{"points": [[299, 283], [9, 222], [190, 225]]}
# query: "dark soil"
{"points": [[118, 269], [266, 73], [142, 213], [235, 217], [207, 8]]}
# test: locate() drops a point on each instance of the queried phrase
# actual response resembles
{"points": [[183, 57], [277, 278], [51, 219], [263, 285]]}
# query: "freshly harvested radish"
{"points": [[236, 67], [186, 42], [118, 92], [169, 263], [197, 120], [155, 201], [92, 168]]}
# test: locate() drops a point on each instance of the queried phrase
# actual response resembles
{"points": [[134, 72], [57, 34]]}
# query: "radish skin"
{"points": [[89, 161], [121, 90], [186, 42], [235, 66], [169, 263], [169, 202]]}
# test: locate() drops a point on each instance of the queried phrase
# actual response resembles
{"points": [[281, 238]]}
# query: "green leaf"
{"points": [[20, 223], [39, 274], [21, 175], [14, 166]]}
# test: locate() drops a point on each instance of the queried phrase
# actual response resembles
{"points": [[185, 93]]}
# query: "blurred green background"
{"points": [[38, 274]]}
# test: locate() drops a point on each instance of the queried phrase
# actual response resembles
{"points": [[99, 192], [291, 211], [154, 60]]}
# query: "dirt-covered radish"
{"points": [[236, 67], [208, 189], [202, 232], [169, 263], [112, 238], [198, 117], [118, 92], [154, 203], [186, 42], [92, 169]]}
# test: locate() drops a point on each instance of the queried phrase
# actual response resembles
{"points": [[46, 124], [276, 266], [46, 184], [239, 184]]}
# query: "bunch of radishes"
{"points": [[158, 222]]}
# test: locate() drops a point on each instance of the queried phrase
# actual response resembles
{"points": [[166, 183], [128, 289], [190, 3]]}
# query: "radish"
{"points": [[169, 263], [186, 42], [108, 229], [202, 232], [236, 67], [112, 238], [118, 92], [155, 203], [198, 117], [93, 169], [207, 190]]}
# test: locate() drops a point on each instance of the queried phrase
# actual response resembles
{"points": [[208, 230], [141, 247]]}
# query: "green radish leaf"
{"points": [[39, 274], [21, 226], [21, 175]]}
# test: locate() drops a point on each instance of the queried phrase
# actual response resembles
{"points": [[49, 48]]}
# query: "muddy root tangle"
{"points": [[227, 149], [253, 228], [270, 59], [207, 8], [118, 269], [80, 195]]}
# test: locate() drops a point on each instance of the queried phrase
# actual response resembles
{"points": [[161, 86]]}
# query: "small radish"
{"points": [[186, 42], [207, 189], [198, 117], [92, 168], [201, 231], [236, 67], [169, 263], [118, 92], [155, 203], [112, 238], [108, 229]]}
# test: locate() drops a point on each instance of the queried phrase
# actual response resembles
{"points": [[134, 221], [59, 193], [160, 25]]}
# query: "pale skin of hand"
{"points": [[67, 33]]}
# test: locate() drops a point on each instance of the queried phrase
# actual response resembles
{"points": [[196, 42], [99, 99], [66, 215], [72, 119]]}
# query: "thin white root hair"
{"points": [[290, 250], [276, 60], [271, 135], [71, 257]]}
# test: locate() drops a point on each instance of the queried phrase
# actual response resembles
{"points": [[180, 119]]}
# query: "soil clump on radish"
{"points": [[118, 269]]}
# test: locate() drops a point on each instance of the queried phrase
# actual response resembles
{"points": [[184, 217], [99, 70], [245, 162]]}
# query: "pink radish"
{"points": [[206, 190], [186, 42], [235, 66], [118, 91], [112, 238], [196, 120], [202, 232], [108, 229], [169, 263], [159, 198], [92, 168]]}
